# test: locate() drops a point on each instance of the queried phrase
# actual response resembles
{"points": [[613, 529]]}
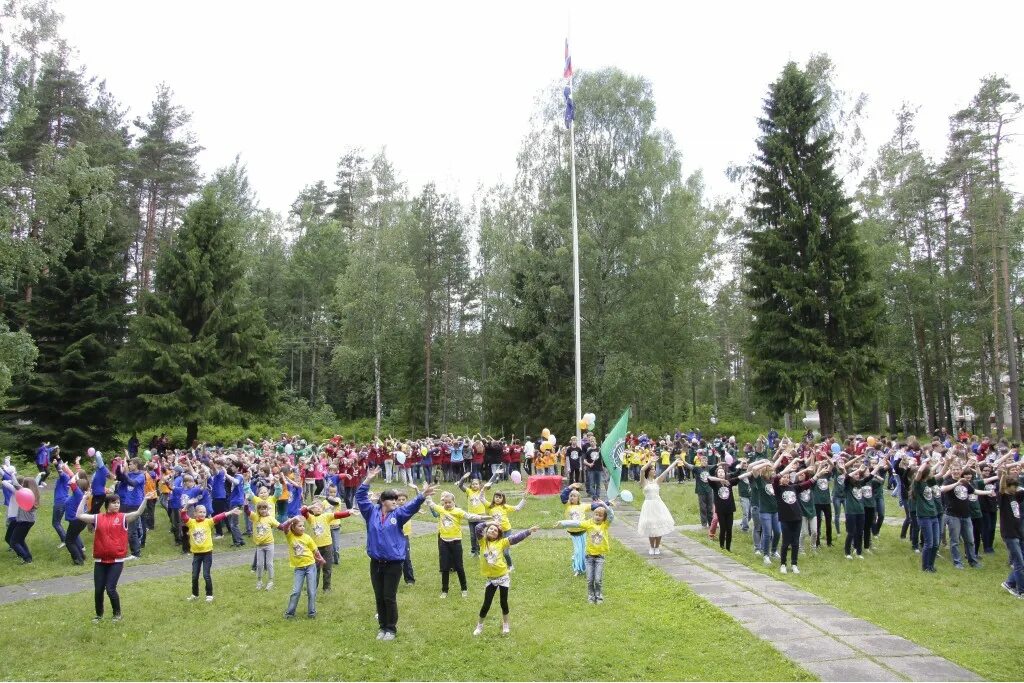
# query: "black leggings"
{"points": [[854, 532], [869, 523], [449, 553], [105, 578], [725, 529], [791, 539], [489, 597], [826, 510], [72, 540], [202, 561]]}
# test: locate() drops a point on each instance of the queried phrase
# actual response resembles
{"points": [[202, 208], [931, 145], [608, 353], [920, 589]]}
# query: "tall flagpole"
{"points": [[575, 264]]}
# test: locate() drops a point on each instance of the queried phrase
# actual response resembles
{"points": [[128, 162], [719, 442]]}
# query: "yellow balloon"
{"points": [[582, 424], [545, 432], [871, 441]]}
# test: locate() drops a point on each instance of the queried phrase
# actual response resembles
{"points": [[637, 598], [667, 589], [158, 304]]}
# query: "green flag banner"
{"points": [[611, 453]]}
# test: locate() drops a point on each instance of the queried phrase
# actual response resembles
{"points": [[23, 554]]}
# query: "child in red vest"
{"points": [[110, 547]]}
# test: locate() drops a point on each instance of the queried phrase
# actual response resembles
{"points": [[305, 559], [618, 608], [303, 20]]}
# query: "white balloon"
{"points": [[552, 439], [590, 417]]}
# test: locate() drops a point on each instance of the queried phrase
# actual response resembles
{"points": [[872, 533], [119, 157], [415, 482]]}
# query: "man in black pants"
{"points": [[574, 461]]}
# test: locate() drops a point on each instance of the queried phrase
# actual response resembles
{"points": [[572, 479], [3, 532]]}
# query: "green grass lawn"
{"points": [[650, 627], [963, 615]]}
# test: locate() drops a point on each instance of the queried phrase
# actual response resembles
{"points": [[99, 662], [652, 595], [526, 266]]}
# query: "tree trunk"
{"points": [[376, 394], [426, 375], [191, 433], [148, 241], [312, 375], [826, 415], [1004, 265]]}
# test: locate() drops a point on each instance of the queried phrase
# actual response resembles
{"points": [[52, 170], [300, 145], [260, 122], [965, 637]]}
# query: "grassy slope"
{"points": [[964, 616], [634, 635]]}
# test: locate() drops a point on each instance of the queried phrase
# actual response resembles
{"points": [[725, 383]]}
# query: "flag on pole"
{"points": [[611, 453], [568, 61]]}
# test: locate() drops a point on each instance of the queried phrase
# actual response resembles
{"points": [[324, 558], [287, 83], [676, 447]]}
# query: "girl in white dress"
{"points": [[655, 519]]}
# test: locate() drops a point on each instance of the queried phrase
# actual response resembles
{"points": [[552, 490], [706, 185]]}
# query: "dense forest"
{"points": [[136, 293]]}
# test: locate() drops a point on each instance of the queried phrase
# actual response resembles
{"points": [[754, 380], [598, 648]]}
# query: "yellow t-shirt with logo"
{"points": [[328, 508], [477, 503], [576, 513], [301, 550], [597, 536], [318, 527], [200, 535], [263, 528], [504, 511], [449, 522], [492, 558]]}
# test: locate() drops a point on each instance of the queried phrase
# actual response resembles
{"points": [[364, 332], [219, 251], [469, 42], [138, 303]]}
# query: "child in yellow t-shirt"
{"points": [[449, 539], [500, 511], [407, 573], [597, 531], [200, 538], [304, 558], [263, 525], [493, 549], [320, 531]]}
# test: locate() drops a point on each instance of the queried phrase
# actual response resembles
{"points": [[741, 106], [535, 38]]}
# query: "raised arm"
{"points": [[82, 516]]}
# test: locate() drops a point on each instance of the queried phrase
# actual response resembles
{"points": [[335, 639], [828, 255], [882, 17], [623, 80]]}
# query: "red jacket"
{"points": [[110, 542]]}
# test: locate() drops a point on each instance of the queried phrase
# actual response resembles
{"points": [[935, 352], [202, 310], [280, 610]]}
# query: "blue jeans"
{"points": [[837, 504], [961, 527], [305, 575], [930, 544], [1016, 578], [594, 482], [755, 519], [771, 532], [58, 520]]}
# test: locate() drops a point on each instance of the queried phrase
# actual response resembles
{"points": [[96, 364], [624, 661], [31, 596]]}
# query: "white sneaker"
{"points": [[130, 558], [505, 628], [796, 569], [270, 584], [650, 551], [757, 553], [193, 597], [782, 569], [767, 560], [776, 555], [479, 629], [444, 595], [465, 594], [259, 585], [209, 598], [657, 551], [849, 557], [60, 546], [860, 557]]}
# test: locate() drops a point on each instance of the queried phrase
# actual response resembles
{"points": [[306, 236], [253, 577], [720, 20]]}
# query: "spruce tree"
{"points": [[813, 334], [78, 317], [201, 350]]}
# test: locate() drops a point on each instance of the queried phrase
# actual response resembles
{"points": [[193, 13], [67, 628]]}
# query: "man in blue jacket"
{"points": [[385, 545]]}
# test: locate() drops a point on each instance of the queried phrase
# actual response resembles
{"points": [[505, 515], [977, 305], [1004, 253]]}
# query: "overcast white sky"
{"points": [[449, 87]]}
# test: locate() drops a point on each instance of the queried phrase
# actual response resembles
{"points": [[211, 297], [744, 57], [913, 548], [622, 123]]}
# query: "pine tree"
{"points": [[78, 317], [201, 351], [813, 335]]}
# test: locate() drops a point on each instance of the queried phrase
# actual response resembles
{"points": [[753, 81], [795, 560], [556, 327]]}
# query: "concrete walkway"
{"points": [[826, 641], [65, 585]]}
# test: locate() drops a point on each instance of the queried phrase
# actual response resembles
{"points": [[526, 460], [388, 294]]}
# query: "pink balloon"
{"points": [[91, 451], [516, 477], [25, 498], [728, 459]]}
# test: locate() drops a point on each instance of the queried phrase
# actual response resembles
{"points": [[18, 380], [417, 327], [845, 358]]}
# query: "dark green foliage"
{"points": [[201, 351], [78, 318], [814, 312]]}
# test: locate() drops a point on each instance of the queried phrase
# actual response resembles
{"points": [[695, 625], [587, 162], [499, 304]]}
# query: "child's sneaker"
{"points": [[505, 628], [479, 629], [796, 569], [97, 620], [444, 595], [193, 597], [782, 569], [259, 585], [270, 584], [757, 553], [117, 618], [209, 598], [465, 594], [380, 635], [767, 560]]}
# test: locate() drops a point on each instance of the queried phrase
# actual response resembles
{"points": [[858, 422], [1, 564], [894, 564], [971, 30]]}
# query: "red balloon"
{"points": [[25, 498]]}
